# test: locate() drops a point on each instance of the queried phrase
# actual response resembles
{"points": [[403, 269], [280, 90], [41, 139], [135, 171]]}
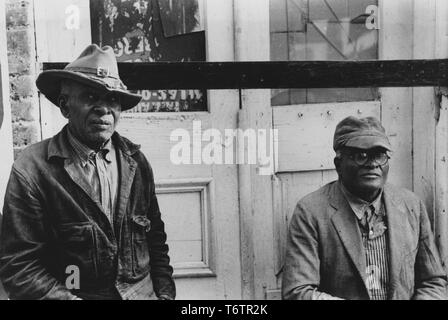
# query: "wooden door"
{"points": [[198, 201], [306, 118]]}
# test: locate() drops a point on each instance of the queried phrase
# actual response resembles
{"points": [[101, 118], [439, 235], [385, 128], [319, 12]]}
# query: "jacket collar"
{"points": [[85, 154], [358, 205], [59, 145]]}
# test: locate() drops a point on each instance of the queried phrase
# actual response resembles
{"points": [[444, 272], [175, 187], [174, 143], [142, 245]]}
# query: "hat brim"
{"points": [[49, 83], [369, 142]]}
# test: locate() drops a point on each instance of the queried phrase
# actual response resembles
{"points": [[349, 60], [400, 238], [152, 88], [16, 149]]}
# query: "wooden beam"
{"points": [[281, 74]]}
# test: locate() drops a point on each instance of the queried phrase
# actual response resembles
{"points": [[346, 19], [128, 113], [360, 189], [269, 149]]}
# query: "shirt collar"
{"points": [[59, 146], [358, 205], [85, 153]]}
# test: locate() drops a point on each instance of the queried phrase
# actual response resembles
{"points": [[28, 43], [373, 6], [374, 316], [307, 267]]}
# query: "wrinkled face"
{"points": [[363, 180], [92, 113]]}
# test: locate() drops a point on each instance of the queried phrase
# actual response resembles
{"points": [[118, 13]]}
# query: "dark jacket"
{"points": [[325, 251], [51, 223]]}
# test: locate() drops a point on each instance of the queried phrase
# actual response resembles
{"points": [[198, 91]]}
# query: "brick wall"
{"points": [[21, 45]]}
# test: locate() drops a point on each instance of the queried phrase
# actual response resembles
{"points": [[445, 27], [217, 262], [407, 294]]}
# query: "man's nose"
{"points": [[371, 163], [102, 108]]}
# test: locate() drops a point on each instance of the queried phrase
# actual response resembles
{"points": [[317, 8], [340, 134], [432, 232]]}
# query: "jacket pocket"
{"points": [[77, 242], [140, 226]]}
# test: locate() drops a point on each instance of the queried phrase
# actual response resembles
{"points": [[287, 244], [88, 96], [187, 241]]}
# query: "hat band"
{"points": [[98, 72], [343, 140]]}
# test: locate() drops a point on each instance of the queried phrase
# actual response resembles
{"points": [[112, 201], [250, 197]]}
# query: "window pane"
{"points": [[180, 17], [333, 30], [149, 31]]}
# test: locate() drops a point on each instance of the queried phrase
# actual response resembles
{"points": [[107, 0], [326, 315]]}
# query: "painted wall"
{"points": [[21, 44], [6, 154]]}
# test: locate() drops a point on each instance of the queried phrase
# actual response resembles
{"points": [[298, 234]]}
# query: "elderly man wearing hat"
{"points": [[358, 237], [81, 218]]}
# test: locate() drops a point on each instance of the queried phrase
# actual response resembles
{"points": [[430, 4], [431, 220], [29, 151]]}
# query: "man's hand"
{"points": [[324, 296]]}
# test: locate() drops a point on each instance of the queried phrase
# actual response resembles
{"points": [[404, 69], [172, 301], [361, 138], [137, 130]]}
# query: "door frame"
{"points": [[223, 107]]}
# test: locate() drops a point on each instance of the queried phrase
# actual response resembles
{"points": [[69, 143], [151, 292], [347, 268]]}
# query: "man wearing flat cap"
{"points": [[81, 218], [359, 237]]}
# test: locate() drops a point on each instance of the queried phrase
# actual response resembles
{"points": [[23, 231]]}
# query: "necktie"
{"points": [[375, 224], [368, 216], [100, 162]]}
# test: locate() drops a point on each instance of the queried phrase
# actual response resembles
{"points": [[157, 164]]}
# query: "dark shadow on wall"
{"points": [[3, 295]]}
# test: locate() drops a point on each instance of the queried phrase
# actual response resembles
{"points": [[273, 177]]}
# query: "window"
{"points": [[150, 31], [311, 30]]}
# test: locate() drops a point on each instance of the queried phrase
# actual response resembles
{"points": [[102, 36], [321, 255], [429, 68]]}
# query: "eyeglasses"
{"points": [[361, 158]]}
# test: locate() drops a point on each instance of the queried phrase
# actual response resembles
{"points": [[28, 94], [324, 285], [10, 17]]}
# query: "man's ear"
{"points": [[337, 163], [62, 103]]}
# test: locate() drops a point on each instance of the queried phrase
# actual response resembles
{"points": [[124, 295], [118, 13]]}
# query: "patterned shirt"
{"points": [[99, 171], [372, 223]]}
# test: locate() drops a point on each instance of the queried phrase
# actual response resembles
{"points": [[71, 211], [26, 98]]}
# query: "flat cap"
{"points": [[362, 133]]}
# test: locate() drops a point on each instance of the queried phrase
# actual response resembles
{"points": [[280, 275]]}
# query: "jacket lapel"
{"points": [[347, 227], [71, 170], [398, 232], [126, 167], [59, 147]]}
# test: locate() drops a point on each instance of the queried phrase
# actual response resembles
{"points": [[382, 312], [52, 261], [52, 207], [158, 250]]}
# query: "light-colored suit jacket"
{"points": [[325, 252]]}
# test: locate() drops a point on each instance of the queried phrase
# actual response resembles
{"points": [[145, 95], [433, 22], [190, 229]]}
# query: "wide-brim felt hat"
{"points": [[95, 67]]}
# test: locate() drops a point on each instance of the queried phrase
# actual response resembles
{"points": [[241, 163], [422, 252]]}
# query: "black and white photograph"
{"points": [[224, 150]]}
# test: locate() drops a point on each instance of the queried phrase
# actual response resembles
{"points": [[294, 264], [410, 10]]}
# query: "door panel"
{"points": [[305, 132], [153, 131], [289, 188]]}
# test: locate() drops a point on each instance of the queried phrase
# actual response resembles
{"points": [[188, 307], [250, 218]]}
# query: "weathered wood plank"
{"points": [[223, 108], [440, 219], [440, 212], [67, 21], [397, 103], [252, 43], [425, 105], [157, 148], [50, 19], [305, 132], [288, 189], [281, 74]]}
